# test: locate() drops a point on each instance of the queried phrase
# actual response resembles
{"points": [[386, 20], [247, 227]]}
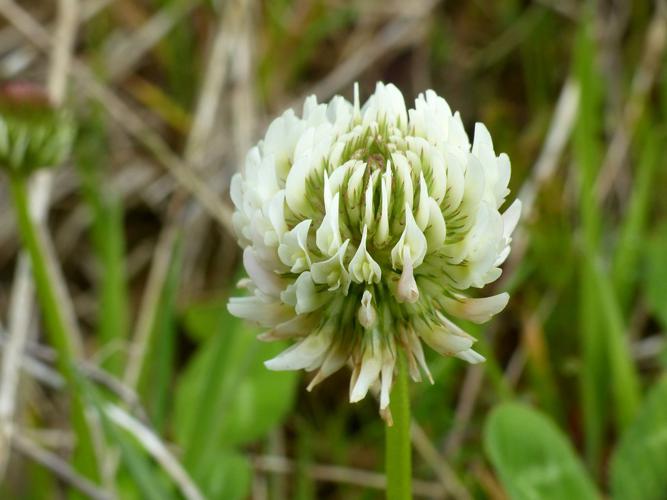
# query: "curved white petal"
{"points": [[366, 313], [332, 271], [267, 281], [327, 236], [306, 354], [477, 310], [413, 239], [293, 250], [363, 267]]}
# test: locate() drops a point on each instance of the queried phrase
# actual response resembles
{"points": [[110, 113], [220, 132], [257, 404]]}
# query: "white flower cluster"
{"points": [[362, 229]]}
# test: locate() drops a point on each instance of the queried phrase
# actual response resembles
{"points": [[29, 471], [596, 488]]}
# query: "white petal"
{"points": [[436, 231], [363, 267], [423, 210], [413, 239], [482, 146], [339, 175], [403, 177], [436, 174], [470, 356], [267, 281], [445, 343], [332, 271], [511, 218], [366, 313], [382, 232], [368, 374], [259, 311], [387, 378], [457, 133], [455, 161], [298, 326], [452, 327], [504, 172], [407, 290], [334, 361], [327, 237], [305, 354], [418, 352], [478, 310], [308, 298], [276, 213], [369, 207], [293, 250]]}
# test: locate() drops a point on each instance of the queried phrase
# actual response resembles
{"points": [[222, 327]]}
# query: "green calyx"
{"points": [[33, 133]]}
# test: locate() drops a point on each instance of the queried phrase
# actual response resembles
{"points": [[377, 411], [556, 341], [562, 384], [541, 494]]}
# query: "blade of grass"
{"points": [[108, 240], [624, 379], [633, 228], [604, 335], [156, 381], [587, 157], [154, 445], [143, 473]]}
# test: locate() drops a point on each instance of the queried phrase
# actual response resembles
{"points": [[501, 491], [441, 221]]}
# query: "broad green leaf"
{"points": [[228, 476], [533, 458], [639, 464], [226, 397]]}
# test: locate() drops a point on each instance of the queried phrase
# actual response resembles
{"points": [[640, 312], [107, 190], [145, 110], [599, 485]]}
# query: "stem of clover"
{"points": [[398, 458], [56, 324]]}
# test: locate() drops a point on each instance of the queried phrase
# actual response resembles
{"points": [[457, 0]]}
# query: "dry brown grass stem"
{"points": [[642, 83], [59, 467], [347, 475]]}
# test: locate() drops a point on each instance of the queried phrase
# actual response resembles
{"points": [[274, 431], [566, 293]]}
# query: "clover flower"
{"points": [[363, 228], [33, 133]]}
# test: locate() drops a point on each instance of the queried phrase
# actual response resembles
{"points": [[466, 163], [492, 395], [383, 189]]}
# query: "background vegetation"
{"points": [[169, 94]]}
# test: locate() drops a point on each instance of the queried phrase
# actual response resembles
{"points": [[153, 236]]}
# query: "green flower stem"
{"points": [[56, 324], [398, 449]]}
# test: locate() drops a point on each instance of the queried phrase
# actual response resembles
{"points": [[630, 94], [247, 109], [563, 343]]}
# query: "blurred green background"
{"points": [[572, 402]]}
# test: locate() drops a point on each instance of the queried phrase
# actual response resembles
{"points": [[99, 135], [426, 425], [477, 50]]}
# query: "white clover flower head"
{"points": [[363, 229]]}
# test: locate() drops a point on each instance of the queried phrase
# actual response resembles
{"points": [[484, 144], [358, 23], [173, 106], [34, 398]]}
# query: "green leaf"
{"points": [[226, 397], [635, 221], [228, 476], [639, 463], [532, 456]]}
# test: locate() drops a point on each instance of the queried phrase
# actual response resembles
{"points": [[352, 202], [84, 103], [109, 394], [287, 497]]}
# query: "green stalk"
{"points": [[398, 459], [56, 324]]}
